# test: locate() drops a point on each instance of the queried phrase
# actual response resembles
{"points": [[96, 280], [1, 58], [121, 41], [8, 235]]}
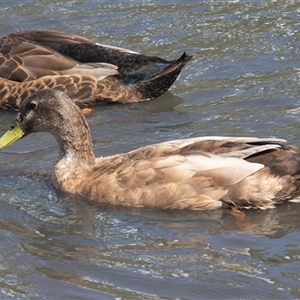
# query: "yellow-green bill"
{"points": [[12, 135]]}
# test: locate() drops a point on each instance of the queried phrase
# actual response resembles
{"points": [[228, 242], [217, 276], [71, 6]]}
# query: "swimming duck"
{"points": [[201, 173], [86, 71]]}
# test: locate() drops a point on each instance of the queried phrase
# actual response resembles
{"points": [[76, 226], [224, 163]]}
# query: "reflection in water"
{"points": [[116, 250], [243, 80]]}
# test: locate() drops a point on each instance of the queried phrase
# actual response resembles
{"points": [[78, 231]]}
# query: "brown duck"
{"points": [[202, 173], [86, 71]]}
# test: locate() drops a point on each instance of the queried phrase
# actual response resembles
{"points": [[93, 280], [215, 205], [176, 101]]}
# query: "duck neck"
{"points": [[75, 144]]}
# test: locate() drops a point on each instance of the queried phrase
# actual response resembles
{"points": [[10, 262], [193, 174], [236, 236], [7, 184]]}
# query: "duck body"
{"points": [[180, 175], [86, 71], [202, 173]]}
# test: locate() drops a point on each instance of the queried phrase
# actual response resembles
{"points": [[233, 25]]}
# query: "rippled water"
{"points": [[243, 80]]}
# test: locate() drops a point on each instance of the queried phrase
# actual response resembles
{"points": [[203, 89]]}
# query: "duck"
{"points": [[198, 173], [86, 71]]}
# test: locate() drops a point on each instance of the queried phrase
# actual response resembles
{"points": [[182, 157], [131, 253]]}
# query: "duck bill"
{"points": [[12, 135]]}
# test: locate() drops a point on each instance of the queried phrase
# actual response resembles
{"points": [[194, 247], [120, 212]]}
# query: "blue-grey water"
{"points": [[243, 80]]}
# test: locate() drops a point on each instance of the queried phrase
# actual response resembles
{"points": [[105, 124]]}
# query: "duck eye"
{"points": [[32, 105]]}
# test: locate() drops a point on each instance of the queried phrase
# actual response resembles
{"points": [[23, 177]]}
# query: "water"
{"points": [[243, 80]]}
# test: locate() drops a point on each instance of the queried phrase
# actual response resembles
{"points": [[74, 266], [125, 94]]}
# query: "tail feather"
{"points": [[161, 82]]}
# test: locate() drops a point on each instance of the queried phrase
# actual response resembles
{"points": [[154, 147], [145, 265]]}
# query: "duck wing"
{"points": [[23, 61], [133, 67]]}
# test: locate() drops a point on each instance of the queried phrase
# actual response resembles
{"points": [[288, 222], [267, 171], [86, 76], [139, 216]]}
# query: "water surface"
{"points": [[243, 80]]}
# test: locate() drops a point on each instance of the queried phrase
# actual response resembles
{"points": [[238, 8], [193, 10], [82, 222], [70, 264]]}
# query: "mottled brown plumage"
{"points": [[86, 71], [202, 173]]}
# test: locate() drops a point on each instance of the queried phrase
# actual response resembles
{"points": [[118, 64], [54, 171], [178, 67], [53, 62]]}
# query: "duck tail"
{"points": [[160, 83]]}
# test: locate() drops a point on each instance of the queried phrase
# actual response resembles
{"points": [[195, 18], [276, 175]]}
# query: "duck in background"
{"points": [[84, 70]]}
